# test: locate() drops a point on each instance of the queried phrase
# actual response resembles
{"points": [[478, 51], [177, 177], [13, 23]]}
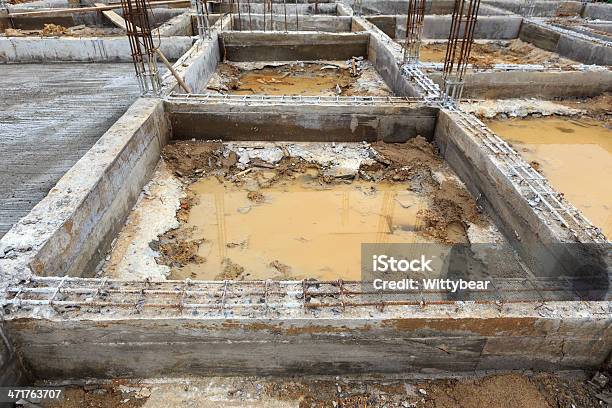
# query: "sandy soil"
{"points": [[599, 107], [346, 78], [53, 30], [540, 390], [485, 55]]}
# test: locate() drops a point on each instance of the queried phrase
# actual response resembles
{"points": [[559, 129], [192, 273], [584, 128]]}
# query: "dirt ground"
{"points": [[356, 77], [413, 164], [599, 107], [54, 30], [485, 55], [541, 390]]}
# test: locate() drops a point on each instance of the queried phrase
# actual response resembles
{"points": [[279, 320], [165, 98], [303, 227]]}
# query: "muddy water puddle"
{"points": [[295, 230], [346, 78], [575, 156]]}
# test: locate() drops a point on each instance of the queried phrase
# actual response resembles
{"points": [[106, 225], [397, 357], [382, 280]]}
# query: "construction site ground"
{"points": [[516, 390]]}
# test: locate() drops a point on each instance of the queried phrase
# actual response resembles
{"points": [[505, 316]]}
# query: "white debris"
{"points": [[517, 108]]}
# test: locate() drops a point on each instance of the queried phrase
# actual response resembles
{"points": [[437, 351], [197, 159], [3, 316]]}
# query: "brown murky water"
{"points": [[272, 82], [300, 79], [296, 230], [575, 155]]}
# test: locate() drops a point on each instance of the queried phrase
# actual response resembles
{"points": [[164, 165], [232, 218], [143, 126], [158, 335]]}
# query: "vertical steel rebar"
{"points": [[202, 20], [144, 57], [414, 30], [297, 27], [529, 6], [250, 21], [285, 8], [239, 16], [458, 48]]}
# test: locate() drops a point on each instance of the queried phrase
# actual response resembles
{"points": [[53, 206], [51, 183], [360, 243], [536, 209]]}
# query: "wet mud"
{"points": [[258, 222], [345, 78]]}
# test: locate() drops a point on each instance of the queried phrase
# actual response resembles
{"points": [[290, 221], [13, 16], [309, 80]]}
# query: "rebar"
{"points": [[202, 20], [460, 40], [250, 20], [4, 6], [239, 16], [285, 10], [414, 30], [138, 30], [529, 8]]}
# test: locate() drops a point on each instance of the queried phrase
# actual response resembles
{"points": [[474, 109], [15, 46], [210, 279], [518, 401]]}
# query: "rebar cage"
{"points": [[460, 40], [414, 30], [138, 30]]}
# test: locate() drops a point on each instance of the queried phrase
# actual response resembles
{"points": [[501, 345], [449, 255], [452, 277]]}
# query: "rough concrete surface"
{"points": [[103, 328], [48, 120]]}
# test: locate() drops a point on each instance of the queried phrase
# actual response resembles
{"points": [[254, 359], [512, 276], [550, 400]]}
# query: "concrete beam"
{"points": [[94, 49], [438, 27], [295, 122], [533, 84], [302, 46], [320, 23], [70, 230], [566, 44], [598, 11], [177, 26], [386, 55], [542, 8], [12, 372], [292, 341], [546, 246]]}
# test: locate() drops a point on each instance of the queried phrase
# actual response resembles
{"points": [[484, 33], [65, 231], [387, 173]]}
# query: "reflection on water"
{"points": [[575, 156]]}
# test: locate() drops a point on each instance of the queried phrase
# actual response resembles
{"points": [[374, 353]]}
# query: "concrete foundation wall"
{"points": [[330, 24], [437, 340], [536, 239], [95, 49], [11, 370], [547, 85], [35, 23], [196, 66], [300, 122], [85, 210], [545, 8], [278, 8], [377, 7], [386, 55], [303, 46], [598, 11], [136, 141], [178, 26], [566, 45], [438, 27]]}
